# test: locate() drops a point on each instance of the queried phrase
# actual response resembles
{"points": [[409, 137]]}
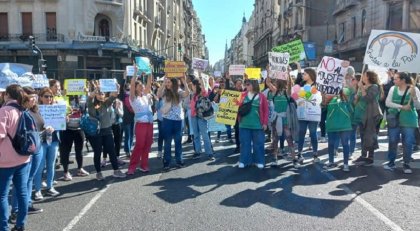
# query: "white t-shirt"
{"points": [[142, 107]]}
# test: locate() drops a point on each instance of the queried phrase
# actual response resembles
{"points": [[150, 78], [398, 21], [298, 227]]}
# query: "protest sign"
{"points": [[228, 107], [330, 76], [393, 49], [217, 74], [175, 69], [40, 81], [108, 85], [54, 116], [236, 70], [200, 64], [213, 126], [253, 73], [279, 63], [143, 65], [75, 86], [295, 49], [129, 70]]}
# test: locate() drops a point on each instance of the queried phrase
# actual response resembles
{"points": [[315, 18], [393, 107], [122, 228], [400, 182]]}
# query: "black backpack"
{"points": [[27, 140], [204, 108]]}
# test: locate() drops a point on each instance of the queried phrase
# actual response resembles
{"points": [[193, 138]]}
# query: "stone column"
{"points": [[406, 15]]}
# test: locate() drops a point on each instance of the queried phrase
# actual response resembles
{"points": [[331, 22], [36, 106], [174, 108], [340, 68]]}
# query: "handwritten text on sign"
{"points": [[294, 48], [75, 86], [54, 115], [228, 107], [331, 75], [175, 69], [279, 62], [108, 85], [200, 64], [236, 70]]}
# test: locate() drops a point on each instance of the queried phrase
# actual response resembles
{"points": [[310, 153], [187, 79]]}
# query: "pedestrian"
{"points": [[13, 167], [141, 101], [238, 86], [252, 125], [127, 121], [402, 101], [100, 107], [367, 115], [173, 114]]}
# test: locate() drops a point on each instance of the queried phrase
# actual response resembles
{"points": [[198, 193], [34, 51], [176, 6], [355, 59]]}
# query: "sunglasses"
{"points": [[48, 96]]}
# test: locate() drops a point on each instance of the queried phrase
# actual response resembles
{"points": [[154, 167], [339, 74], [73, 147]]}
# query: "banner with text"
{"points": [[217, 74], [174, 69], [143, 65], [75, 86], [393, 49], [129, 70], [330, 76], [108, 85], [253, 73], [16, 73], [200, 64], [228, 107], [54, 115], [236, 70], [295, 49], [279, 63]]}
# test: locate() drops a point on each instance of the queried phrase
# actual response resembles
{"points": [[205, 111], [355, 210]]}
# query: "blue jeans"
{"points": [[49, 155], [19, 176], [333, 139], [312, 125], [128, 136], [172, 129], [251, 140], [228, 132], [33, 168], [160, 136], [200, 129], [408, 139], [353, 137]]}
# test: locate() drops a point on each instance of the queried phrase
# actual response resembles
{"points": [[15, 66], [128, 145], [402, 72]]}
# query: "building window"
{"points": [[26, 24], [395, 16], [4, 29], [104, 28], [353, 20], [51, 23], [103, 25], [342, 32], [363, 22]]}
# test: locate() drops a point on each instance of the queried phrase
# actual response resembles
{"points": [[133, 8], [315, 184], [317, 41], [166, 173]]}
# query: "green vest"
{"points": [[279, 100], [407, 118], [338, 116], [252, 119]]}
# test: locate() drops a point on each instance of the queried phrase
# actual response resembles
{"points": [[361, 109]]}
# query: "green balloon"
{"points": [[308, 95]]}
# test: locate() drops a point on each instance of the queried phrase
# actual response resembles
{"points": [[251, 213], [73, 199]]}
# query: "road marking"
{"points": [[89, 205], [362, 202]]}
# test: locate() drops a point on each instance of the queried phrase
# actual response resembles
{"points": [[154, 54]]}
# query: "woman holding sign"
{"points": [[141, 101], [253, 121], [173, 114]]}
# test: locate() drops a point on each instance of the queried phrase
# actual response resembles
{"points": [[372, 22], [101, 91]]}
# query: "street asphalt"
{"points": [[216, 195]]}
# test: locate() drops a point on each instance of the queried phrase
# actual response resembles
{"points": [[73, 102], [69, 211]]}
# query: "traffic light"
{"points": [[32, 41], [42, 64]]}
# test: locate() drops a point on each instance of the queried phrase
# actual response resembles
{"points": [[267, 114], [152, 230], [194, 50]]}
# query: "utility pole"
{"points": [[42, 63]]}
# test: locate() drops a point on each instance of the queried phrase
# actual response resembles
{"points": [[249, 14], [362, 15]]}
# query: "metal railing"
{"points": [[49, 37]]}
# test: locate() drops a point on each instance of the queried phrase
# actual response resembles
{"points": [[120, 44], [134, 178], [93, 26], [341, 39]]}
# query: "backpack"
{"points": [[89, 125], [204, 108], [27, 140]]}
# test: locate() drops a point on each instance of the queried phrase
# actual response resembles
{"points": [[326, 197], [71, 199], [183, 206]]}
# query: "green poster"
{"points": [[294, 48]]}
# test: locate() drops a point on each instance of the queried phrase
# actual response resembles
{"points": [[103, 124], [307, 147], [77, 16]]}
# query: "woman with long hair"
{"points": [[252, 126], [13, 167], [367, 115], [141, 101], [99, 107], [50, 143], [173, 114]]}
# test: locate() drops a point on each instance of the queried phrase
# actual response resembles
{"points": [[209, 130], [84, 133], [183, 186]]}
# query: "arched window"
{"points": [[363, 22], [104, 28]]}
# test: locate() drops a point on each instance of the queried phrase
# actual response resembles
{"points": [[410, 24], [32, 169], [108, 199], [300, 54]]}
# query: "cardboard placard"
{"points": [[279, 63], [143, 65], [200, 64], [54, 116], [75, 86], [253, 73], [331, 74], [108, 85], [237, 70], [295, 49], [228, 107], [174, 69], [129, 70]]}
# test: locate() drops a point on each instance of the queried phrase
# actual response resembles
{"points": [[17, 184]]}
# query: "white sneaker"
{"points": [[159, 155], [67, 177], [322, 140], [346, 168], [260, 166], [119, 174], [38, 196], [316, 159], [99, 176], [241, 165], [44, 184], [52, 192]]}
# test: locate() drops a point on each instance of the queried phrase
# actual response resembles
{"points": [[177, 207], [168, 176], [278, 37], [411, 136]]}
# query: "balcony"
{"points": [[49, 37], [157, 21]]}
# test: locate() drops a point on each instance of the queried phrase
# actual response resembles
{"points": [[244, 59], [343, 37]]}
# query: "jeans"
{"points": [[172, 129], [237, 140], [128, 136], [117, 135], [228, 132], [408, 139], [333, 139], [160, 136], [106, 142], [200, 129], [19, 176], [33, 168], [68, 138], [48, 162], [252, 140], [353, 137], [312, 125]]}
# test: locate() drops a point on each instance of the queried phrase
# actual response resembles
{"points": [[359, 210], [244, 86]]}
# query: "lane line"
{"points": [[361, 201], [89, 205]]}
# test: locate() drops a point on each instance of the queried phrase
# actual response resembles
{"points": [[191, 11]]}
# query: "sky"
{"points": [[221, 20]]}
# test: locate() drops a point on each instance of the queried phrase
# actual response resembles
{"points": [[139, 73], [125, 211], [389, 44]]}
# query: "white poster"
{"points": [[129, 70], [217, 74], [200, 64], [393, 49], [331, 74], [54, 115], [279, 62], [237, 70], [108, 85]]}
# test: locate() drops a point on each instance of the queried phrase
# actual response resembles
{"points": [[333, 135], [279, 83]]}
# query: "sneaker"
{"points": [[322, 140], [99, 176], [407, 169], [145, 170], [217, 140], [346, 168], [67, 177], [295, 163], [55, 182], [82, 173], [104, 163], [360, 161], [44, 184], [120, 162], [212, 158], [166, 168], [368, 162], [241, 165], [18, 228], [260, 166], [180, 165], [389, 167], [159, 154], [52, 192], [12, 218], [196, 156], [330, 165], [118, 174], [34, 210], [38, 196], [315, 159], [301, 159]]}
